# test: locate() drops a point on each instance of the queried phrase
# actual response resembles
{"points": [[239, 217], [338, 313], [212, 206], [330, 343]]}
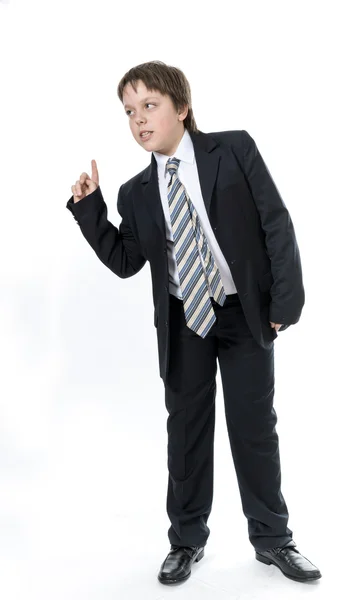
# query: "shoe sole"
{"points": [[173, 581], [267, 561]]}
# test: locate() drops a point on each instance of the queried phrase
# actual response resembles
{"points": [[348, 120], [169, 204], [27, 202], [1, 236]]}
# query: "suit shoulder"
{"points": [[238, 141], [128, 185], [232, 136]]}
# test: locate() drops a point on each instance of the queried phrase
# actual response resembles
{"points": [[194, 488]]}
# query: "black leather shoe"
{"points": [[177, 565], [290, 562]]}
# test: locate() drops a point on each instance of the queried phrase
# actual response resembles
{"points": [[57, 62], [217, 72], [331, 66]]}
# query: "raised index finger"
{"points": [[95, 175]]}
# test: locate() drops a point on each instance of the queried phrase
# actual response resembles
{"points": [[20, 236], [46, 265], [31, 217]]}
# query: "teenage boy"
{"points": [[226, 276]]}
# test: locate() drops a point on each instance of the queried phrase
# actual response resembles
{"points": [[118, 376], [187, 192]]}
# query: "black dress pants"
{"points": [[247, 372]]}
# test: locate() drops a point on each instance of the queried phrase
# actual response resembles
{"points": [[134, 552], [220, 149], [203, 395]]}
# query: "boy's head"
{"points": [[157, 98]]}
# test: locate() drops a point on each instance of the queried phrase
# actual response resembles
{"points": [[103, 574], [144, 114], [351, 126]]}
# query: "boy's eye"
{"points": [[147, 104]]}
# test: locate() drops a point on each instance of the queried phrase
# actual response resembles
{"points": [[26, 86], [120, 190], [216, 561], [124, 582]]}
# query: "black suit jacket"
{"points": [[248, 216]]}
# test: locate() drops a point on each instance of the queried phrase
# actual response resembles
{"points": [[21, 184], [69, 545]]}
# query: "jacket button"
{"points": [[165, 250], [166, 288], [232, 261], [166, 323]]}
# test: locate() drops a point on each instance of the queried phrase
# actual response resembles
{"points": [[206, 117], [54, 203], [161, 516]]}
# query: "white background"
{"points": [[83, 473]]}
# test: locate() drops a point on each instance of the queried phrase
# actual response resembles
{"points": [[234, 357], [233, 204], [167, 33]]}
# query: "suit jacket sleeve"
{"points": [[287, 291], [118, 249]]}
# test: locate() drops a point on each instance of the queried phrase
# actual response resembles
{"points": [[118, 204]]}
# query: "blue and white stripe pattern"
{"points": [[188, 237]]}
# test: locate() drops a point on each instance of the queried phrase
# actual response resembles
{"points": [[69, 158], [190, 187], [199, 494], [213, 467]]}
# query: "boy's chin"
{"points": [[147, 147]]}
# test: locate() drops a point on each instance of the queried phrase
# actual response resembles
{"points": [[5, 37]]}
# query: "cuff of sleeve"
{"points": [[86, 205]]}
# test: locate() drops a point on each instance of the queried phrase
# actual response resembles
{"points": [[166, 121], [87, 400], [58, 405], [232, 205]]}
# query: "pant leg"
{"points": [[190, 394], [247, 372]]}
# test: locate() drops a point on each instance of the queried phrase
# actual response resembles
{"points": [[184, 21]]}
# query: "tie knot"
{"points": [[172, 165]]}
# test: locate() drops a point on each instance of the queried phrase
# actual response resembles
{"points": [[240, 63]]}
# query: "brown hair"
{"points": [[168, 80]]}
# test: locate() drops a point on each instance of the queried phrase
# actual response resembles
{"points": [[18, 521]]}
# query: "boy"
{"points": [[226, 276]]}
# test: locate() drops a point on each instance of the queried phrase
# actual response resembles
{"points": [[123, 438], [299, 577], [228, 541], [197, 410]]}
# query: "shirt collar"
{"points": [[184, 152]]}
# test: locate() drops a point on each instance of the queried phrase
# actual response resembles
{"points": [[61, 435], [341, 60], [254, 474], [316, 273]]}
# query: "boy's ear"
{"points": [[184, 111]]}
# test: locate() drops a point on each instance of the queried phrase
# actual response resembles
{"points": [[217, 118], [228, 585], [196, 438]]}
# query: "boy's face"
{"points": [[149, 110]]}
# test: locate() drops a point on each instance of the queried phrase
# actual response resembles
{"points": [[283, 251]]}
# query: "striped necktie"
{"points": [[188, 237]]}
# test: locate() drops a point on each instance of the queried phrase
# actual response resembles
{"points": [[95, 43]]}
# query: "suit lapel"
{"points": [[207, 166]]}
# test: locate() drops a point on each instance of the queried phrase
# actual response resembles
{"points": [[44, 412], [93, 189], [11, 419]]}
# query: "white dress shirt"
{"points": [[188, 175]]}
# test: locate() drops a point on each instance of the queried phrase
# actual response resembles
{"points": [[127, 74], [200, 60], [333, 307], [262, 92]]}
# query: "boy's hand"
{"points": [[276, 325], [84, 185]]}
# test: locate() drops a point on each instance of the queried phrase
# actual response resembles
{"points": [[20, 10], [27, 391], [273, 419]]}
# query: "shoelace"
{"points": [[187, 549]]}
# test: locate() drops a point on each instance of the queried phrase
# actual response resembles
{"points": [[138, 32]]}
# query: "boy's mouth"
{"points": [[146, 135]]}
